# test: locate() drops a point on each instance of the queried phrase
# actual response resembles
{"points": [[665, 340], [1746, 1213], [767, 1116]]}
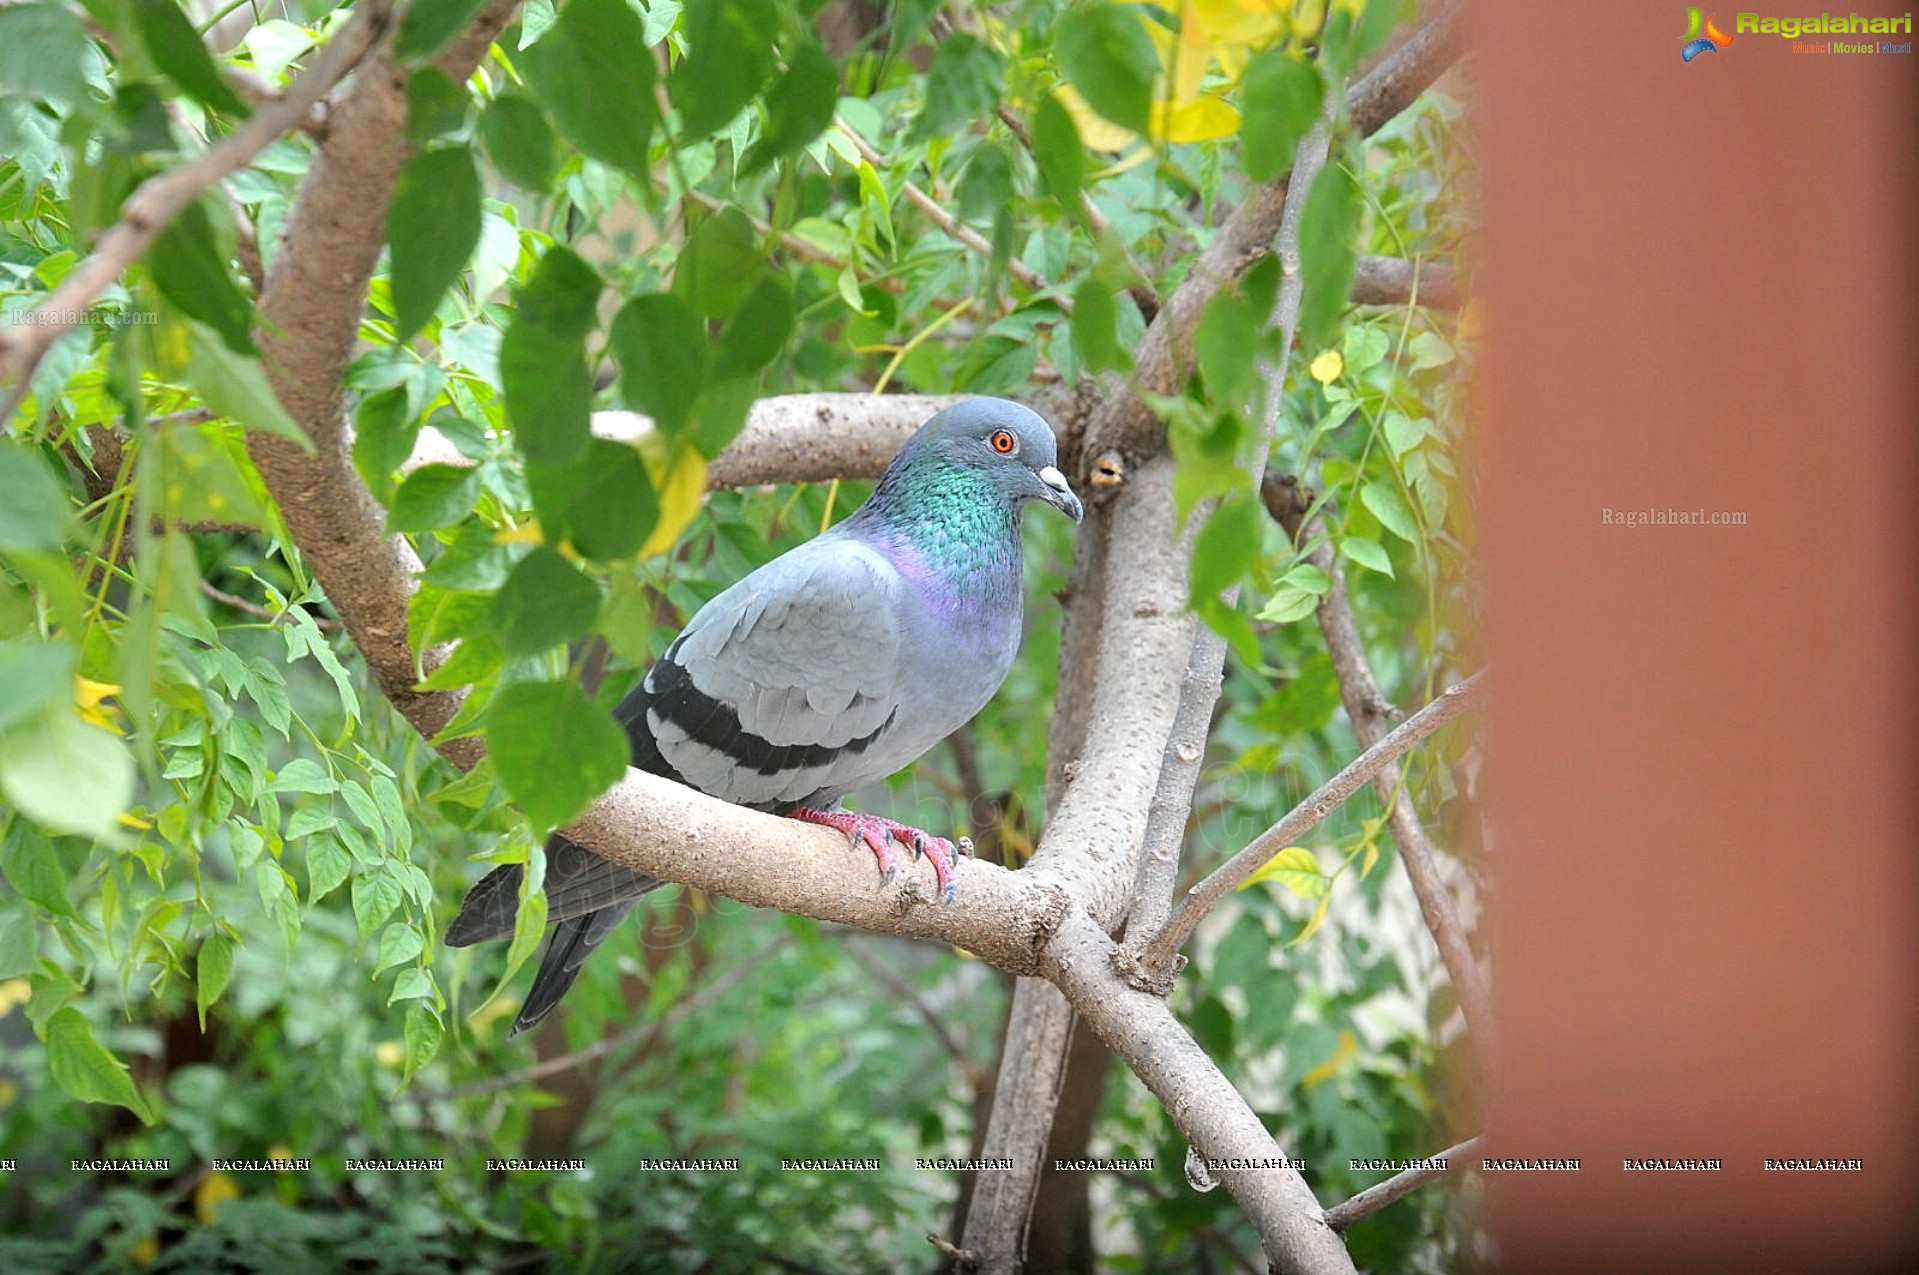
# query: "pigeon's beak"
{"points": [[1060, 494]]}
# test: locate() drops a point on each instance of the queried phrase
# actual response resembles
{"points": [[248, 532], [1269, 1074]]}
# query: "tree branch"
{"points": [[158, 200], [314, 299], [1126, 425], [1396, 281], [1332, 794], [1371, 714], [1396, 1188]]}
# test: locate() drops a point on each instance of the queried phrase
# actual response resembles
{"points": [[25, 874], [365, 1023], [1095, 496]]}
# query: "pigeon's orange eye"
{"points": [[1003, 442]]}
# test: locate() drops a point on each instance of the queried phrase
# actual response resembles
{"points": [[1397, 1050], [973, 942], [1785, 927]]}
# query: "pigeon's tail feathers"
{"points": [[572, 942], [489, 908], [577, 882]]}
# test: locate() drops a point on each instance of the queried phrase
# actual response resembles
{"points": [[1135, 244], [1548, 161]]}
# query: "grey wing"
{"points": [[782, 685]]}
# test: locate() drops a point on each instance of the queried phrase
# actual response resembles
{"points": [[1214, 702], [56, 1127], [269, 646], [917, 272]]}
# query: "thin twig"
{"points": [[946, 221], [1141, 290], [1204, 897], [158, 200], [1398, 1187], [271, 616], [1371, 714]]}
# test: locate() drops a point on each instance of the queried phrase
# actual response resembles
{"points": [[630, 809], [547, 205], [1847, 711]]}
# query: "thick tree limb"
{"points": [[313, 302], [158, 200], [1396, 281], [1371, 714], [1396, 1188], [1143, 635], [1215, 1120], [1328, 797]]}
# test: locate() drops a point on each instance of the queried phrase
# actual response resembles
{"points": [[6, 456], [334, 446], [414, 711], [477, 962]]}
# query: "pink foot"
{"points": [[881, 834]]}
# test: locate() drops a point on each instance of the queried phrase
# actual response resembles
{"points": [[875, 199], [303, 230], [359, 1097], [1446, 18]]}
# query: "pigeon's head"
{"points": [[1011, 446]]}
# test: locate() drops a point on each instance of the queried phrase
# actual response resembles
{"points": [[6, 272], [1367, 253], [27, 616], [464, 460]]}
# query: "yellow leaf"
{"points": [[1327, 367], [1202, 119], [682, 490], [15, 991], [1242, 23], [527, 533], [88, 693], [389, 1053], [132, 821], [8, 1092], [214, 1190], [1348, 1046], [145, 1251], [1095, 129], [279, 1151], [1296, 868], [1312, 925]]}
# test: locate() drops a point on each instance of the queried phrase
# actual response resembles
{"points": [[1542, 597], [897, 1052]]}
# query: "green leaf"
{"points": [[1106, 53], [1227, 346], [1430, 350], [328, 864], [1403, 433], [399, 943], [1226, 547], [1327, 257], [1365, 345], [1058, 151], [411, 984], [799, 107], [604, 504], [33, 510], [963, 83], [549, 388], [1288, 604], [553, 749], [384, 433], [757, 332], [433, 226], [1096, 328], [44, 52], [434, 496], [33, 674], [35, 868], [66, 774], [1280, 98], [235, 386], [176, 48], [519, 141], [985, 188], [593, 71], [423, 1033], [435, 105], [1390, 508], [544, 602], [303, 774], [430, 24], [1367, 553], [721, 260], [661, 349], [213, 970], [84, 1068], [375, 895], [728, 58], [190, 268]]}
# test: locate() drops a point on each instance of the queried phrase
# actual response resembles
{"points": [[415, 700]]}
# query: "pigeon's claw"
{"points": [[880, 835]]}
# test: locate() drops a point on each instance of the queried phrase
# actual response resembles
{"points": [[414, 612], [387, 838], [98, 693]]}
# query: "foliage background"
{"points": [[229, 861]]}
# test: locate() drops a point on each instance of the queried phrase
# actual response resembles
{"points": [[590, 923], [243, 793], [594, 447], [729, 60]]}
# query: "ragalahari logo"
{"points": [[1701, 35]]}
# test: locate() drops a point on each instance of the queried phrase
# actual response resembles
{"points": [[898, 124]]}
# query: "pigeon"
{"points": [[822, 672]]}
